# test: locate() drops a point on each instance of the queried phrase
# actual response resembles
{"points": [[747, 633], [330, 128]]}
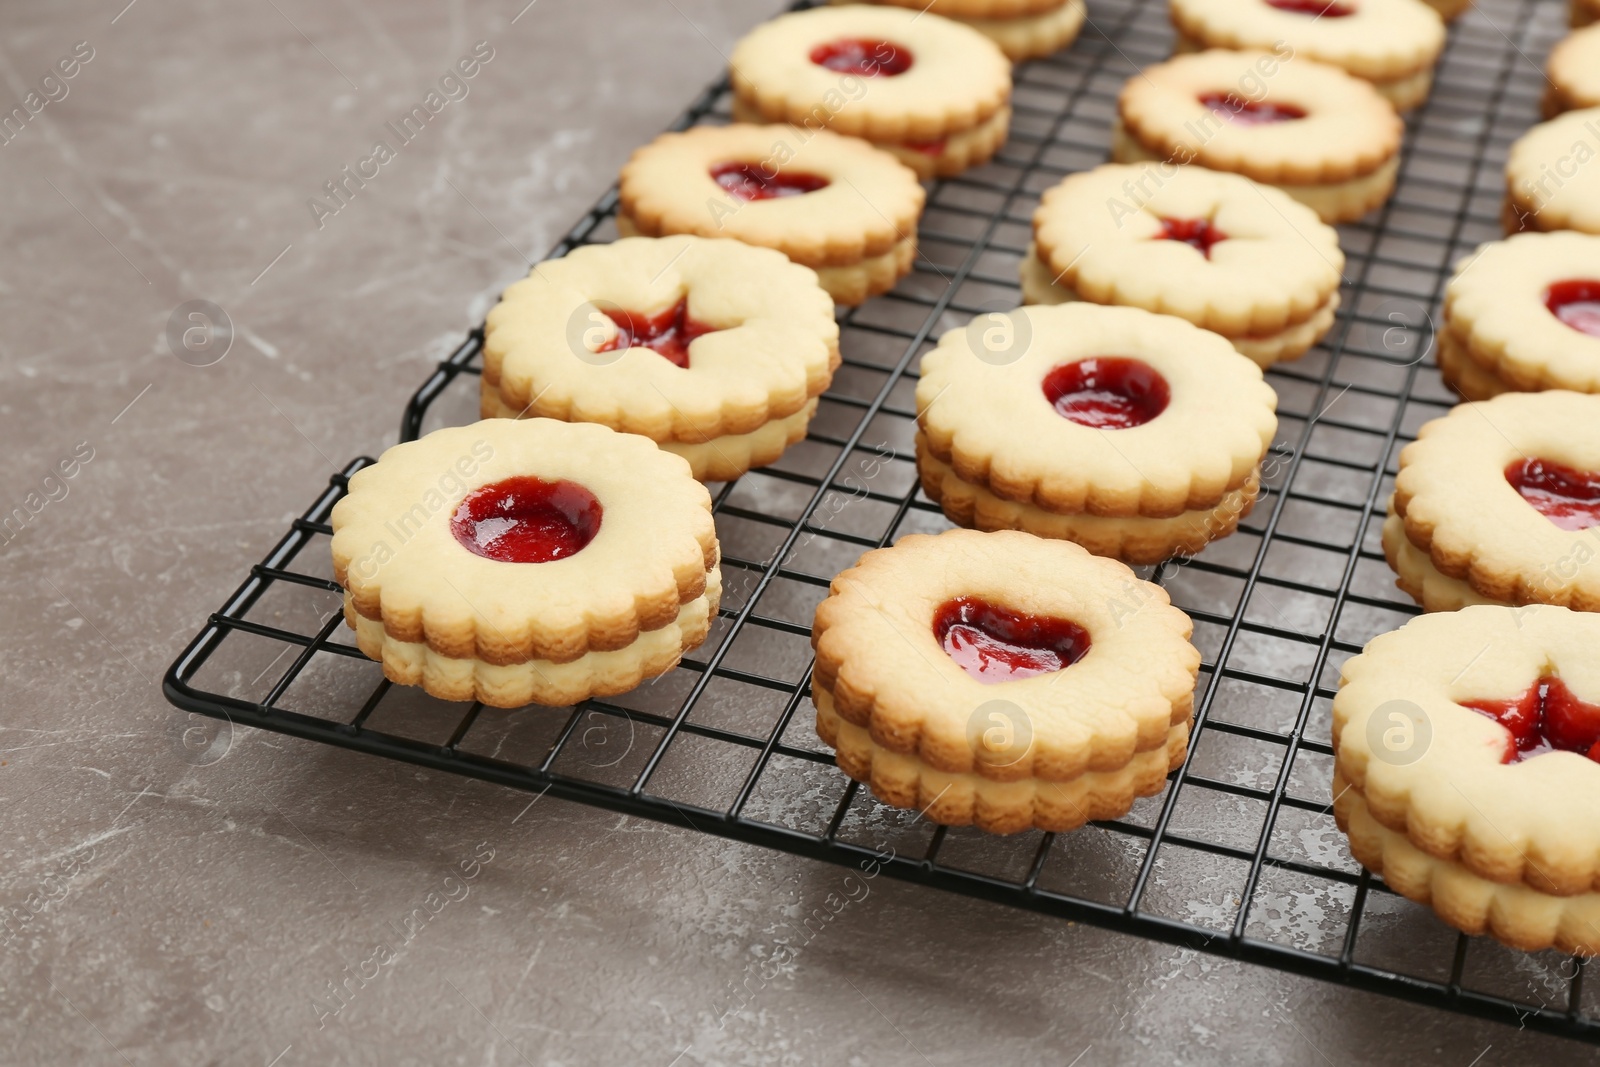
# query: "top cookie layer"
{"points": [[770, 348], [1379, 40], [1101, 233], [1432, 769], [1549, 176], [978, 9], [1348, 129], [394, 549], [957, 77], [1460, 507], [985, 412], [1574, 68], [1496, 303], [870, 204], [880, 658]]}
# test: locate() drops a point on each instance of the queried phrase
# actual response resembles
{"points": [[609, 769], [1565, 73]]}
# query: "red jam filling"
{"points": [[751, 181], [1547, 718], [1198, 234], [668, 333], [1241, 112], [927, 148], [1328, 9], [527, 520], [1107, 392], [1568, 498], [996, 645], [1576, 302], [863, 56]]}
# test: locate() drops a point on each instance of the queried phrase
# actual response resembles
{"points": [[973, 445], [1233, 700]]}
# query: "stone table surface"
{"points": [[159, 912]]}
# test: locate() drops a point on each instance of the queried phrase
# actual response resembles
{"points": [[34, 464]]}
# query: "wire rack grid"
{"points": [[1239, 856]]}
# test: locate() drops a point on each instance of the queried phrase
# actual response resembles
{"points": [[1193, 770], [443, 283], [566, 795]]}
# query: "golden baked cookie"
{"points": [[1474, 736], [1228, 254], [1550, 184], [714, 349], [1003, 679], [526, 561], [1449, 10], [1517, 915], [1326, 138], [933, 92], [1021, 36], [1085, 409], [1504, 496], [1572, 73], [1583, 12], [1391, 43], [831, 203], [1526, 311], [1463, 374]]}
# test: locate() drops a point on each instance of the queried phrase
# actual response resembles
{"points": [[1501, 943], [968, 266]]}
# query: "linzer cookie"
{"points": [[1391, 43], [932, 91], [1226, 253], [1002, 680], [1324, 137], [1023, 31], [1465, 747], [1138, 436], [1449, 10], [1549, 182], [831, 203], [714, 349], [1583, 12], [1523, 315], [1499, 502], [1572, 73], [526, 562]]}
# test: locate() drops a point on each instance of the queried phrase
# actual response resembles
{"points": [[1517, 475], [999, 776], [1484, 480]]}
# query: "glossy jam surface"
{"points": [[1328, 9], [1107, 392], [527, 520], [668, 332], [753, 181], [1241, 112], [863, 56], [995, 644], [1576, 302], [1568, 498], [1547, 718], [1199, 234]]}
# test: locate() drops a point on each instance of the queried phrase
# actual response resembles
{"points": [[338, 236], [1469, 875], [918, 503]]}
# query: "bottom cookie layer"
{"points": [[1419, 579], [956, 799], [944, 158], [1521, 917], [1334, 202], [721, 459], [593, 674], [1464, 374], [1040, 287], [1139, 539], [851, 284]]}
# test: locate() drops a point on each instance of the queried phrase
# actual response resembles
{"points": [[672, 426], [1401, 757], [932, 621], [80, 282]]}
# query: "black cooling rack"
{"points": [[1239, 856]]}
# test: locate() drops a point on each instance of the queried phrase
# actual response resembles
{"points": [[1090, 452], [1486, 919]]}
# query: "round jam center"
{"points": [[527, 520], [1199, 234], [1568, 498], [1107, 392], [864, 56], [1241, 112], [1547, 718], [668, 333], [1576, 302], [994, 644], [1328, 9], [752, 181]]}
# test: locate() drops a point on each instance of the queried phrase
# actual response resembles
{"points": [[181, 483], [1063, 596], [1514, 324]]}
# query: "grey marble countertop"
{"points": [[160, 912]]}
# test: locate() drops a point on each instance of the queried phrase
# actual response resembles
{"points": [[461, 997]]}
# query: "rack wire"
{"points": [[1239, 856]]}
